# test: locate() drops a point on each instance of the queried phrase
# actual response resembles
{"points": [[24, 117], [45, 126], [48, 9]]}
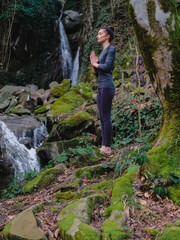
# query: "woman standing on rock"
{"points": [[103, 68]]}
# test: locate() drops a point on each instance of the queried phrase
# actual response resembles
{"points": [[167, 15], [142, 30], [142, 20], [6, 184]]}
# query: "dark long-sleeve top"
{"points": [[106, 62]]}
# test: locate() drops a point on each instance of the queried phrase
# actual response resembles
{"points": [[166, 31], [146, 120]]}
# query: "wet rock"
{"points": [[71, 19]]}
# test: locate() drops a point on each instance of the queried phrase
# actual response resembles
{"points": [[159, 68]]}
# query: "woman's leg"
{"points": [[99, 104], [107, 95]]}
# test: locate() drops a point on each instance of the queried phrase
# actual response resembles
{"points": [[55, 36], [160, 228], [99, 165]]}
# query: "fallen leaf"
{"points": [[56, 233]]}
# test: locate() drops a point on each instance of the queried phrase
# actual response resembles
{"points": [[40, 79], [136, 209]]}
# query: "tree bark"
{"points": [[157, 28]]}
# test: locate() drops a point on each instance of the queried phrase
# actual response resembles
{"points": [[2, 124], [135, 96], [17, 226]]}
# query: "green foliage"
{"points": [[131, 201], [84, 147], [158, 185], [125, 120], [16, 185], [137, 157]]}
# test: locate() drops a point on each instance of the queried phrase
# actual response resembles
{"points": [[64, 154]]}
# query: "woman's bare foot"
{"points": [[106, 150], [102, 148]]}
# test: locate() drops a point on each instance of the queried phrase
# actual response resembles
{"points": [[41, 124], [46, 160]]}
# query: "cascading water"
{"points": [[75, 71], [65, 52], [23, 160]]}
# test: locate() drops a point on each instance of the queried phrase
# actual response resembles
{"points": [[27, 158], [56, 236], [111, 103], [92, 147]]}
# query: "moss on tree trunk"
{"points": [[157, 29]]}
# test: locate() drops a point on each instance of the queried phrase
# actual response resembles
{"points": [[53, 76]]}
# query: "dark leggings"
{"points": [[104, 102]]}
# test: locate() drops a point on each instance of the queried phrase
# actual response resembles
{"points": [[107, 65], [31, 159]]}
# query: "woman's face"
{"points": [[102, 36]]}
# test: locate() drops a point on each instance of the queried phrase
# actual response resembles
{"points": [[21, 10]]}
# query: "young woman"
{"points": [[103, 67]]}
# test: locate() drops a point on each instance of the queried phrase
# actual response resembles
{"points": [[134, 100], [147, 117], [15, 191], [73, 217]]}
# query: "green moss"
{"points": [[17, 205], [112, 231], [165, 157], [116, 206], [83, 90], [54, 209], [86, 232], [6, 230], [172, 233], [65, 224], [148, 40], [44, 179], [174, 193], [90, 172], [124, 184], [65, 195], [75, 183], [62, 88], [70, 206], [42, 109], [151, 231], [77, 119]]}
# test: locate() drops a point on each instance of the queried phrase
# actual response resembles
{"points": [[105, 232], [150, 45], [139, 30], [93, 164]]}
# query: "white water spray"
{"points": [[75, 71]]}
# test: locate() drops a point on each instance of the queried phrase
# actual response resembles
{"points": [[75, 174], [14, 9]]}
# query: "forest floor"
{"points": [[144, 210]]}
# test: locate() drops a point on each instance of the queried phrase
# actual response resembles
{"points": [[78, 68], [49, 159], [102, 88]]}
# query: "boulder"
{"points": [[43, 179], [51, 150], [71, 19], [53, 84], [73, 220], [20, 110], [76, 96], [62, 88], [4, 105], [24, 226], [7, 92], [72, 127]]}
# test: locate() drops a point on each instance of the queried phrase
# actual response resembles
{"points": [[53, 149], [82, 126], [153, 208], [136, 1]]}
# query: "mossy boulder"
{"points": [[112, 231], [73, 220], [24, 226], [19, 110], [61, 89], [43, 109], [72, 99], [93, 171], [71, 127], [112, 227], [51, 150], [43, 179]]}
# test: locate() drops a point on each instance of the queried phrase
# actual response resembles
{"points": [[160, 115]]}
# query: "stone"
{"points": [[62, 88], [44, 179], [24, 226], [4, 105], [20, 110], [53, 84], [71, 19], [7, 92], [73, 220], [72, 127]]}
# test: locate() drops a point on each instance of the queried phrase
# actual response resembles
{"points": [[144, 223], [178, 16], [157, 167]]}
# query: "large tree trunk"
{"points": [[157, 29]]}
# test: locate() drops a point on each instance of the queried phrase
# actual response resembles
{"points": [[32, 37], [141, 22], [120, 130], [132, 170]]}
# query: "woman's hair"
{"points": [[110, 32]]}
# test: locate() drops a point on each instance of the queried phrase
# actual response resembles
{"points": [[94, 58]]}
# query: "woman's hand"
{"points": [[94, 59]]}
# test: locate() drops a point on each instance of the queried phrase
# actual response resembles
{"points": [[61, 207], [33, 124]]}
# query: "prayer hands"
{"points": [[93, 59]]}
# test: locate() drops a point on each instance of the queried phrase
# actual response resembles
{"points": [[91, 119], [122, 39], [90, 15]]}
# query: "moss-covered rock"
{"points": [[73, 219], [19, 110], [51, 150], [171, 233], [73, 98], [43, 179], [71, 127], [65, 195], [61, 89], [24, 226], [112, 228], [112, 231], [42, 109], [93, 171]]}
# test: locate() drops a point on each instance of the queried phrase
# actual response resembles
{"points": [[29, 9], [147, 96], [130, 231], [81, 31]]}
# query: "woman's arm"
{"points": [[109, 60]]}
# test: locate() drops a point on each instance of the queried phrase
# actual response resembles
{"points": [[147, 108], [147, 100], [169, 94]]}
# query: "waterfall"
{"points": [[22, 159], [65, 52], [75, 71]]}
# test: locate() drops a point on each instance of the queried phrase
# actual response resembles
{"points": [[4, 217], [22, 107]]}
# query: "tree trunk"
{"points": [[157, 28]]}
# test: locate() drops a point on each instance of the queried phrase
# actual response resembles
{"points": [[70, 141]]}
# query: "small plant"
{"points": [[13, 189], [131, 202]]}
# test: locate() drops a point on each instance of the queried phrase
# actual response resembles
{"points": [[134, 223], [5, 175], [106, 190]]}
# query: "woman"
{"points": [[103, 67]]}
